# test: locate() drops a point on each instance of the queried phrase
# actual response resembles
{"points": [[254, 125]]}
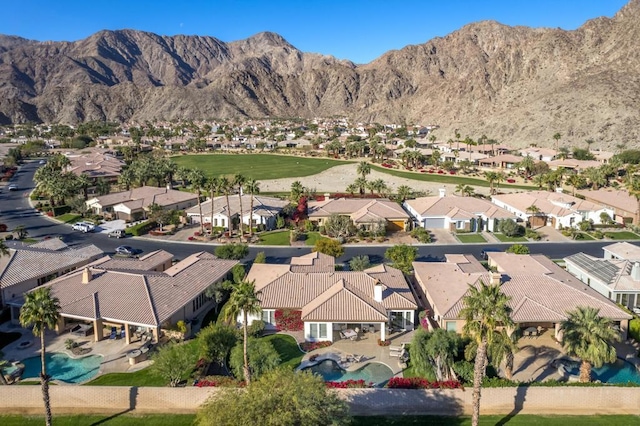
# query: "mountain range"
{"points": [[518, 85]]}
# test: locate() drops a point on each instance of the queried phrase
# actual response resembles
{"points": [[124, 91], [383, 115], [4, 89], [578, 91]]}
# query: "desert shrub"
{"points": [[464, 370], [232, 251], [634, 329], [421, 234], [262, 358], [141, 228], [261, 257]]}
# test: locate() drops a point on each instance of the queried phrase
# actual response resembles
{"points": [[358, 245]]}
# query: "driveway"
{"points": [[549, 233], [442, 236]]}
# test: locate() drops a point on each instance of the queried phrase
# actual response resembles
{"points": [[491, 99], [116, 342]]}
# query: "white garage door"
{"points": [[434, 223]]}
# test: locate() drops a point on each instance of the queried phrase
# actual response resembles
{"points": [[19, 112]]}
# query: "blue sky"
{"points": [[359, 30]]}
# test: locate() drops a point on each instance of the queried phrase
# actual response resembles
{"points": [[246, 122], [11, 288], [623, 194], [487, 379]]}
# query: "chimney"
{"points": [[496, 278], [86, 276], [327, 196], [377, 291], [442, 192], [635, 271]]}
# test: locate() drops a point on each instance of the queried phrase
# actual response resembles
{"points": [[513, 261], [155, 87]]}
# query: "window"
{"points": [[268, 316], [450, 325], [318, 330], [459, 224]]}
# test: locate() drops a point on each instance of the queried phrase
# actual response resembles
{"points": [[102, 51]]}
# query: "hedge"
{"points": [[634, 329], [141, 228]]}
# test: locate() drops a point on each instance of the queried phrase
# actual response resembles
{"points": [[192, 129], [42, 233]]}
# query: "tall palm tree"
{"points": [[589, 142], [84, 182], [126, 178], [485, 309], [41, 311], [557, 137], [589, 336], [633, 187], [198, 182], [575, 181], [252, 187], [361, 183], [404, 192], [491, 177], [213, 183], [364, 169], [243, 300], [469, 143], [528, 164], [296, 191], [239, 180], [225, 188]]}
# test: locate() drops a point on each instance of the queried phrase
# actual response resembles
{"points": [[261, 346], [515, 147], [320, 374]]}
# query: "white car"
{"points": [[84, 226], [13, 187], [636, 310]]}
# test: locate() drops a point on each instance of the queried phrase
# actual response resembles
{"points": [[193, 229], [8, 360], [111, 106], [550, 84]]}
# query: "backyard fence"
{"points": [[500, 401]]}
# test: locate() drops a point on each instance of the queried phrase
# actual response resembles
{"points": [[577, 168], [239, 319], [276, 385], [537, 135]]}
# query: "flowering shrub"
{"points": [[420, 383], [288, 320], [219, 381], [312, 346], [349, 384], [190, 238], [384, 342]]}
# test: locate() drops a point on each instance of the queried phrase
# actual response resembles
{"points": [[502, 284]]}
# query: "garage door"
{"points": [[434, 223], [395, 225]]}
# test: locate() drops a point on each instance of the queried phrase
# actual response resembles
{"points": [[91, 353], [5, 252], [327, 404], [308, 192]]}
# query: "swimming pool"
{"points": [[374, 372], [61, 367], [618, 372]]}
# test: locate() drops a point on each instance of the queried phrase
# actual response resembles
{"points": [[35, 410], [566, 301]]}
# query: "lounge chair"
{"points": [[358, 358], [123, 333], [342, 336], [114, 333], [82, 330]]}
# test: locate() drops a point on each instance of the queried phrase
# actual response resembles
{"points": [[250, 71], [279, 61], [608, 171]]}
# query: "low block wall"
{"points": [[523, 400]]}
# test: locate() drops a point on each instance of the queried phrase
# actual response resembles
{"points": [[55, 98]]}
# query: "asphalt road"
{"points": [[15, 210]]}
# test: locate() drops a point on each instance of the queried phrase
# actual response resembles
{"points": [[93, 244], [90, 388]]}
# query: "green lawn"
{"points": [[6, 338], [622, 235], [275, 238], [137, 378], [452, 179], [506, 239], [69, 218], [312, 237], [586, 237], [471, 238], [287, 348], [188, 419], [257, 166]]}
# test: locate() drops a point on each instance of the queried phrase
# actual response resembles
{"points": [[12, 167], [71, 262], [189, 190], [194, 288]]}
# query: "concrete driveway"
{"points": [[442, 236]]}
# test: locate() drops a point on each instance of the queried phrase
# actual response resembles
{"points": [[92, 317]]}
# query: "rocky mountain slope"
{"points": [[515, 84]]}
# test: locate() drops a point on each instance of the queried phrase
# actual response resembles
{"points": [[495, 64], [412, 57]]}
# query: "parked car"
{"points": [[83, 226], [13, 187], [117, 233], [636, 310], [41, 162], [126, 250]]}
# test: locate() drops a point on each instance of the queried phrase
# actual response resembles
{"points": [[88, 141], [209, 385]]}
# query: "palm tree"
{"points": [[563, 153], [575, 181], [589, 142], [84, 183], [361, 184], [404, 192], [589, 336], [485, 309], [225, 188], [4, 251], [41, 311], [633, 187], [528, 164], [364, 169], [469, 143], [126, 178], [213, 183], [491, 177], [296, 191], [198, 182], [441, 348], [252, 187], [239, 180], [243, 300], [182, 174], [595, 176]]}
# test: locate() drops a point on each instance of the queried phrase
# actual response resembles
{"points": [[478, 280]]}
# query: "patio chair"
{"points": [[342, 336], [123, 333], [358, 358], [114, 334]]}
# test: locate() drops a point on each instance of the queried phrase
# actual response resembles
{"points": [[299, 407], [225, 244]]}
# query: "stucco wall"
{"points": [[523, 400]]}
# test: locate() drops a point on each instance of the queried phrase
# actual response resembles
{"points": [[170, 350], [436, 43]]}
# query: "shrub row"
{"points": [[420, 383], [312, 346], [141, 228], [350, 384]]}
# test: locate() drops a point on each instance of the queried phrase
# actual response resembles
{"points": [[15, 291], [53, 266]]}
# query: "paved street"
{"points": [[15, 210]]}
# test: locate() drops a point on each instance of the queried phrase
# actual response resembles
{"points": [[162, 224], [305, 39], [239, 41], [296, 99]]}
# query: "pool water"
{"points": [[374, 372], [618, 372], [61, 367]]}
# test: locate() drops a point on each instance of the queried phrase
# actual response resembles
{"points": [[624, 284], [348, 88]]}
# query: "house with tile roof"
{"points": [[365, 213], [541, 292], [455, 213], [28, 267], [265, 211], [616, 276], [133, 296], [96, 164], [329, 301], [556, 209], [134, 204], [626, 208]]}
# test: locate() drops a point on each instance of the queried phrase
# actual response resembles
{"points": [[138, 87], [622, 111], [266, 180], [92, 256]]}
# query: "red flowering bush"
{"points": [[312, 346], [349, 384], [288, 320], [384, 342], [420, 383], [219, 381]]}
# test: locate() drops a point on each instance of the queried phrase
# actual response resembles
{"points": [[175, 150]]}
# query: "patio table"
{"points": [[530, 331], [350, 334]]}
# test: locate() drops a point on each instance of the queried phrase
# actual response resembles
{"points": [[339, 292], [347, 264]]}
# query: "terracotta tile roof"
{"points": [[144, 197], [504, 158], [95, 164], [539, 289], [313, 262], [332, 295], [457, 207], [618, 199], [50, 244], [549, 203], [146, 298], [263, 206], [29, 263], [358, 208], [147, 262]]}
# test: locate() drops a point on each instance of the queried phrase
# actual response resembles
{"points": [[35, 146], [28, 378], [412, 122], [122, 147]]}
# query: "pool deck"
{"points": [[114, 352]]}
